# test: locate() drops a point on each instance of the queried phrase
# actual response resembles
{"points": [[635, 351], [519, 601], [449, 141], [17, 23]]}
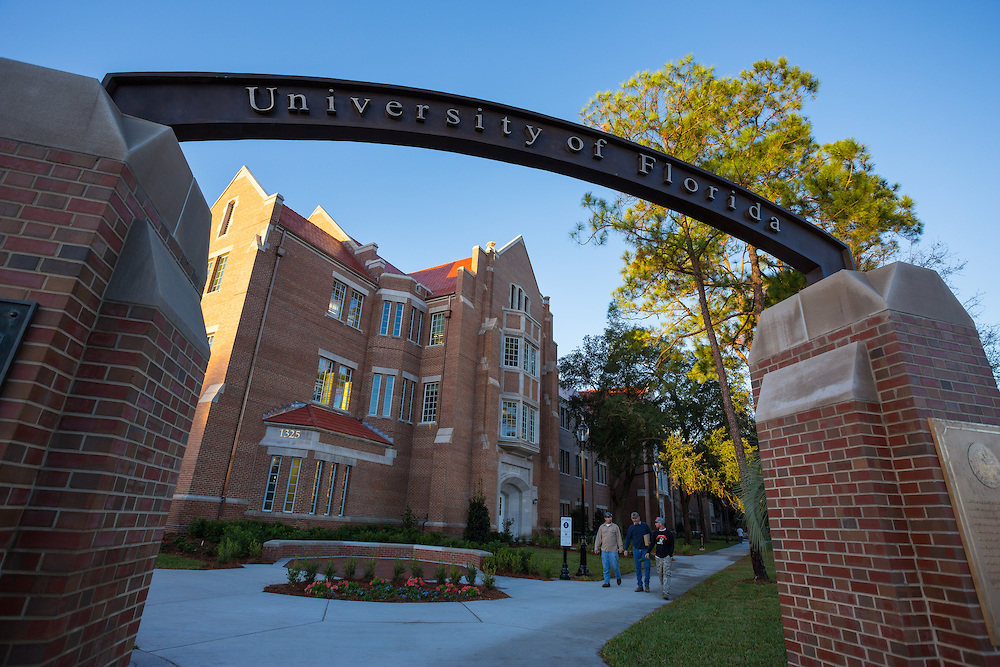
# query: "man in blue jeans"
{"points": [[608, 542], [638, 536]]}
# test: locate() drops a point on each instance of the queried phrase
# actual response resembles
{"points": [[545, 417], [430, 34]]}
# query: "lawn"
{"points": [[175, 562], [728, 619]]}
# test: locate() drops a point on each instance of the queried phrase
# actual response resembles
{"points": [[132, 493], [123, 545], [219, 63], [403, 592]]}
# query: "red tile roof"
{"points": [[315, 416], [442, 279], [306, 230]]}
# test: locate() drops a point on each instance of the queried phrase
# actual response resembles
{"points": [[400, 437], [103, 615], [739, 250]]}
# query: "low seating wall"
{"points": [[275, 550]]}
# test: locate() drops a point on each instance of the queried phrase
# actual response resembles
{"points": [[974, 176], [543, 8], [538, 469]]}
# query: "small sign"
{"points": [[566, 531]]}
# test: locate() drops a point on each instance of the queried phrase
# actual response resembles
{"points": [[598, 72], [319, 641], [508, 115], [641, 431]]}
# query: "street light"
{"points": [[582, 433]]}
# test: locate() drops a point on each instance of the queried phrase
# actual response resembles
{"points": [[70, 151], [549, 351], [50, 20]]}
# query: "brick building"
{"points": [[342, 390]]}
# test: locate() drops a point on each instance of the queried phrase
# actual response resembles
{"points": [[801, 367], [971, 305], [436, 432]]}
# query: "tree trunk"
{"points": [[685, 505], [759, 571]]}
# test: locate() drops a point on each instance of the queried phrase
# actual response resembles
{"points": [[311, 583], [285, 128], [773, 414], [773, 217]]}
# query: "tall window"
{"points": [[601, 473], [437, 329], [329, 491], [511, 351], [316, 484], [518, 299], [272, 484], [337, 296], [529, 423], [392, 318], [429, 412], [342, 399], [406, 400], [354, 313], [216, 275], [563, 461], [579, 467], [530, 359], [293, 483], [343, 492], [416, 322], [324, 381], [227, 216], [382, 386], [508, 419]]}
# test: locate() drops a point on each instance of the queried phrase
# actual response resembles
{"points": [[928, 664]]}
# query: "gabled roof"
{"points": [[317, 417], [442, 279], [309, 232]]}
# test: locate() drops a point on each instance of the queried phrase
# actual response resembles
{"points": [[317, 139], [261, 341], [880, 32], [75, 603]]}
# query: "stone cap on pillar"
{"points": [[74, 113], [848, 297]]}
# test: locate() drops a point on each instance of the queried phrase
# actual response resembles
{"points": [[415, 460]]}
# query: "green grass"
{"points": [[555, 557], [175, 562], [728, 619]]}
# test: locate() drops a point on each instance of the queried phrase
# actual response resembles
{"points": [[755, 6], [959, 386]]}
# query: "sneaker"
{"points": [[605, 585], [666, 597], [619, 581], [638, 589], [647, 589]]}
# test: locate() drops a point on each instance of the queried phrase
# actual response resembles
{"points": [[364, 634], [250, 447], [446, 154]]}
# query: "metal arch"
{"points": [[210, 106]]}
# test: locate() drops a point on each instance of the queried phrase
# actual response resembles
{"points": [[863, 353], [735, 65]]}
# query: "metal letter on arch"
{"points": [[209, 106]]}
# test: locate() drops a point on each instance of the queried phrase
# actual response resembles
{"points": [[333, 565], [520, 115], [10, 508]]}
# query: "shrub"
{"points": [[254, 549], [456, 576], [350, 567], [330, 570], [547, 569], [370, 565], [477, 524], [416, 568], [409, 519], [310, 570], [294, 572], [205, 529], [398, 570], [440, 574], [471, 573], [489, 578]]}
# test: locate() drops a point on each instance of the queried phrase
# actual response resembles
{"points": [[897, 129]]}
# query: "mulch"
{"points": [[300, 590]]}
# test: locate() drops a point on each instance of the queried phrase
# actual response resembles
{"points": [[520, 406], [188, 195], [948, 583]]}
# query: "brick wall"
{"points": [[871, 568], [275, 550]]}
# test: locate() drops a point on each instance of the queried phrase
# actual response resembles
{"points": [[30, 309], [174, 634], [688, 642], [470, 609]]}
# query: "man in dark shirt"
{"points": [[663, 541], [638, 536]]}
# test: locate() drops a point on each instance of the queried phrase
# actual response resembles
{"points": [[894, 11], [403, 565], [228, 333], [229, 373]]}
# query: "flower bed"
{"points": [[379, 589]]}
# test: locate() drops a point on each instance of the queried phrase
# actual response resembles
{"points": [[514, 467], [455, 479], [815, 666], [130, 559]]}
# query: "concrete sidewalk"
{"points": [[222, 617]]}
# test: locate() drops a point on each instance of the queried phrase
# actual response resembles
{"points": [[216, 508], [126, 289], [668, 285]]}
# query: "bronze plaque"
{"points": [[970, 459]]}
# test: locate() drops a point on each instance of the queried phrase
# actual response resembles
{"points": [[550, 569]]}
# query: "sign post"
{"points": [[565, 541]]}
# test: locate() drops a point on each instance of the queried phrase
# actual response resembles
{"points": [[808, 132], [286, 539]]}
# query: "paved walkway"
{"points": [[222, 617]]}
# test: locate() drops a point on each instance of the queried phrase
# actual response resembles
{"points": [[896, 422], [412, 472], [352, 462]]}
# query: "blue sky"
{"points": [[916, 81]]}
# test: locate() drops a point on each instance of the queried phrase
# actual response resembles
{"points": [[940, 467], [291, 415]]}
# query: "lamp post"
{"points": [[582, 433]]}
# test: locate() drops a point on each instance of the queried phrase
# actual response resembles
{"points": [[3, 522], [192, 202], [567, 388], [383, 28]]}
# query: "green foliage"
{"points": [[477, 525], [398, 570], [546, 569], [228, 550], [350, 567], [489, 578], [330, 570], [471, 573], [416, 568], [369, 570], [205, 529], [409, 519], [510, 560], [175, 562], [455, 576], [440, 574], [309, 570], [294, 572]]}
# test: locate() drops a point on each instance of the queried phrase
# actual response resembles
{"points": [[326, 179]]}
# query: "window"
{"points": [[342, 399], [324, 381], [216, 276], [357, 304], [343, 492], [530, 359], [293, 483], [564, 509], [382, 386], [508, 419], [529, 423], [392, 318], [272, 484], [564, 418], [316, 484], [337, 296], [211, 339], [518, 299], [437, 329], [511, 351], [601, 473], [416, 322], [329, 491], [578, 465], [429, 412], [563, 461], [226, 217], [406, 400]]}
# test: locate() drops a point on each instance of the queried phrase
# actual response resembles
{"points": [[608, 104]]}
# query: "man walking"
{"points": [[663, 539], [638, 536], [609, 543]]}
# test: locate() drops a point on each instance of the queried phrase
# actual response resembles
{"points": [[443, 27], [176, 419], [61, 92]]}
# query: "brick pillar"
{"points": [[870, 562], [103, 226]]}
